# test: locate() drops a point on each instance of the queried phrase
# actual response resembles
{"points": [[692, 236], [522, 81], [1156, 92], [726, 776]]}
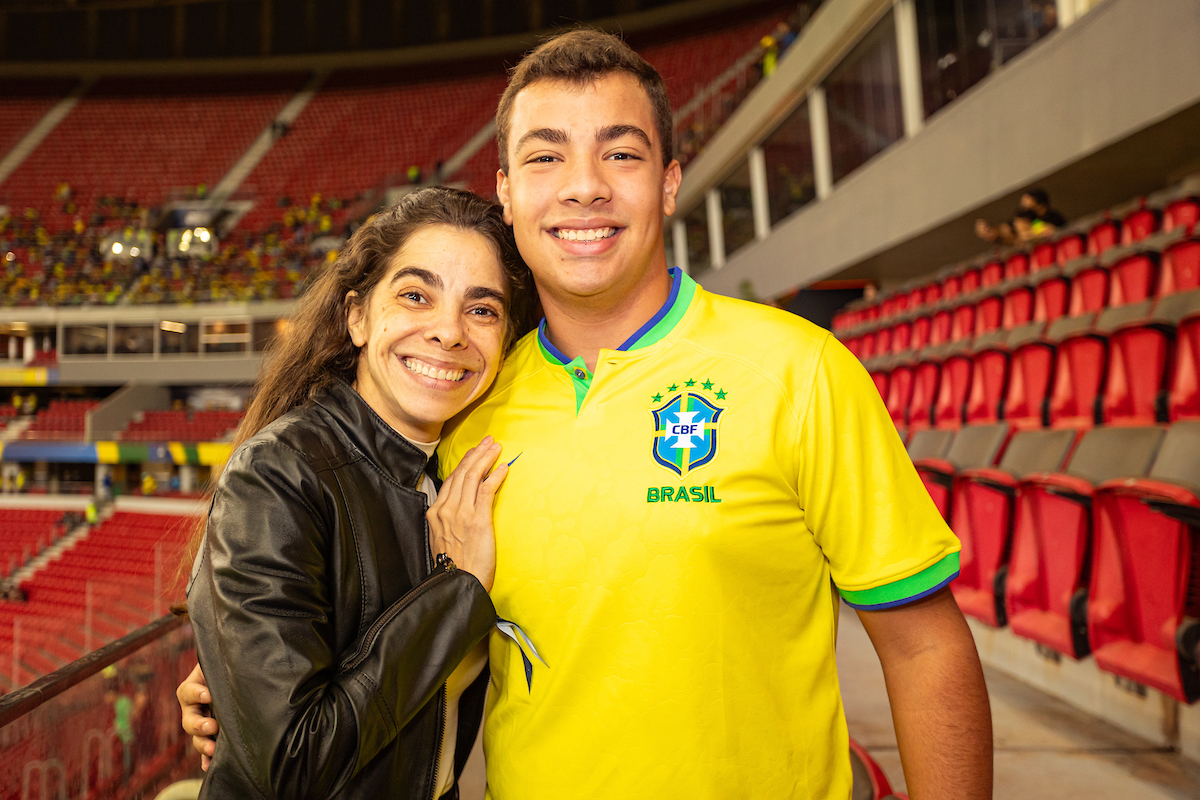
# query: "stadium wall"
{"points": [[1123, 67]]}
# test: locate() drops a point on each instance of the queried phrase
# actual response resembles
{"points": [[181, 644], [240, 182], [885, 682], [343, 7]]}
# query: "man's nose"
{"points": [[585, 183]]}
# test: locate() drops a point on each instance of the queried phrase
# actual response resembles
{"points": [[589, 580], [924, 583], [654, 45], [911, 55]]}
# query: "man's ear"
{"points": [[672, 177], [502, 193], [356, 319]]}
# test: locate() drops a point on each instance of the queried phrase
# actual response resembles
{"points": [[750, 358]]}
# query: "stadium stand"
{"points": [[145, 138], [25, 102], [119, 558], [1052, 413], [180, 426], [62, 419]]}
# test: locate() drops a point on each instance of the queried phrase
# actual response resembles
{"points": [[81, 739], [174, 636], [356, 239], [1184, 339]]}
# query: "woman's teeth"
{"points": [[421, 368], [587, 235]]}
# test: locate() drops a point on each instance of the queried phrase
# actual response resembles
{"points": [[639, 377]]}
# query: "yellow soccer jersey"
{"points": [[671, 537]]}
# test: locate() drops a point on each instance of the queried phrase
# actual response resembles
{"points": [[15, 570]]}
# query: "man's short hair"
{"points": [[580, 57], [1039, 196]]}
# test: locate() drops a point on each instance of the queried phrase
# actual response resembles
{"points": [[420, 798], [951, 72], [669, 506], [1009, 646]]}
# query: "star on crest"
{"points": [[707, 385], [721, 394], [672, 387], [656, 399], [691, 382]]}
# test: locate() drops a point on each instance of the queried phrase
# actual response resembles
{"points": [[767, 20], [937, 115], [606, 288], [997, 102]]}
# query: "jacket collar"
{"points": [[370, 435]]}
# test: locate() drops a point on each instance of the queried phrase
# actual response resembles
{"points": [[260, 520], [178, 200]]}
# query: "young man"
{"points": [[697, 479], [696, 475]]}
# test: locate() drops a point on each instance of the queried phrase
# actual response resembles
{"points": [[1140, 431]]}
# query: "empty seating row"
{"points": [[61, 419], [200, 426], [1163, 265], [1107, 242], [1048, 450], [123, 560]]}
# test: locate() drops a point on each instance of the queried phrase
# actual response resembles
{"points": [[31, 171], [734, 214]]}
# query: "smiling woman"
{"points": [[341, 657]]}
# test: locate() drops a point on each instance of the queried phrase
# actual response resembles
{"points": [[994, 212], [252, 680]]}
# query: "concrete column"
{"points": [[13, 348], [909, 52], [29, 349], [716, 228], [818, 123], [187, 478], [103, 471], [679, 241], [759, 200]]}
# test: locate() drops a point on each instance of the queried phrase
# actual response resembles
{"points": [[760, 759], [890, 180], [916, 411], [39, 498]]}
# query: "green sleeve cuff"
{"points": [[905, 590]]}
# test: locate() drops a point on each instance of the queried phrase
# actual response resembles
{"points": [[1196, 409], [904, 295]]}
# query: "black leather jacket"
{"points": [[325, 632]]}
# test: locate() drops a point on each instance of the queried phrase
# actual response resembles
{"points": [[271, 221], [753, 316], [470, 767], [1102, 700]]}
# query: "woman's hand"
{"points": [[193, 698], [460, 521]]}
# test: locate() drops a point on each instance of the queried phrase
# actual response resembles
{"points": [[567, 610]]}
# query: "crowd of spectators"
{"points": [[78, 267]]}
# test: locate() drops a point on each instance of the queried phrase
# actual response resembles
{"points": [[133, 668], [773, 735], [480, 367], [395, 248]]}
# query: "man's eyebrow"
{"points": [[551, 135], [424, 275], [611, 132]]}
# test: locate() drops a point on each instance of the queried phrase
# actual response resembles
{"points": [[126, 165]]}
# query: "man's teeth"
{"points": [[421, 368], [586, 235]]}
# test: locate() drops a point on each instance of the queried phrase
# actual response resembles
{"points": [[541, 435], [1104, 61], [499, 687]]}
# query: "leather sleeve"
{"points": [[303, 718]]}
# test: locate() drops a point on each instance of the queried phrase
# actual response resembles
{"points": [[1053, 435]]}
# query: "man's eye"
{"points": [[624, 157], [543, 159]]}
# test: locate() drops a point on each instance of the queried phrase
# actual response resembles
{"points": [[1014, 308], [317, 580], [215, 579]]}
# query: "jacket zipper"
{"points": [[372, 634], [443, 562]]}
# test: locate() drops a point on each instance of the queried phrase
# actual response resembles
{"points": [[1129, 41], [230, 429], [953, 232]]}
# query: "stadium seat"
{"points": [[1102, 236], [1079, 361], [939, 454], [1141, 341], [1183, 397], [1089, 285], [1145, 597], [927, 375], [1051, 294], [1042, 255], [981, 515], [1182, 213], [899, 391], [993, 271], [989, 379], [1016, 305], [919, 339], [902, 335], [940, 325], [1046, 590], [1139, 224], [953, 385], [1180, 264], [1133, 274], [1030, 372], [1069, 246]]}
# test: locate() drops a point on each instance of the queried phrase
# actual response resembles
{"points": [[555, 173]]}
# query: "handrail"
{"points": [[17, 704]]}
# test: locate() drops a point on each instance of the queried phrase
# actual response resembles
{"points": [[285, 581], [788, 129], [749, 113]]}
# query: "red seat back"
{"points": [[991, 274], [1139, 224], [901, 337], [1043, 255], [1183, 213], [926, 377], [951, 288], [939, 327], [971, 281], [989, 376], [1069, 247], [1050, 298], [1103, 236], [989, 314], [1031, 372], [920, 334], [1180, 268], [962, 322], [1079, 364], [1017, 308], [899, 396], [1089, 290], [952, 390], [1133, 279], [1183, 399]]}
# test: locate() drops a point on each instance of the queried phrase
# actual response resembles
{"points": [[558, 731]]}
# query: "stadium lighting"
{"points": [[173, 327], [187, 236], [202, 234], [184, 247], [133, 251], [117, 248], [9, 256]]}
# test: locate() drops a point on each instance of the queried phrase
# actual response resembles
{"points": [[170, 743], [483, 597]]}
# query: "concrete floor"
{"points": [[1044, 747]]}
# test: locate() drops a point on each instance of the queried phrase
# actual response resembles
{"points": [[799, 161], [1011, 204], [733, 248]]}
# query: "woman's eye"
{"points": [[484, 311], [415, 297]]}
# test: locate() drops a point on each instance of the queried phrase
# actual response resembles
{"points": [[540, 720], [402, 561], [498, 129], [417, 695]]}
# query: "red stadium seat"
{"points": [[902, 336], [953, 386], [1044, 254], [940, 325], [900, 390], [1030, 373], [1051, 294], [919, 339], [939, 454], [1089, 286], [1182, 213], [1139, 366], [1140, 224], [1133, 274], [1145, 597], [951, 288], [971, 281], [989, 313], [1183, 397], [1017, 304], [926, 377], [981, 514], [962, 321], [1069, 247], [1046, 588], [993, 272], [1079, 361], [1180, 266], [1102, 236]]}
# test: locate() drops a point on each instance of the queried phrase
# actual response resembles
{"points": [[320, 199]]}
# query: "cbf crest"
{"points": [[686, 427]]}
